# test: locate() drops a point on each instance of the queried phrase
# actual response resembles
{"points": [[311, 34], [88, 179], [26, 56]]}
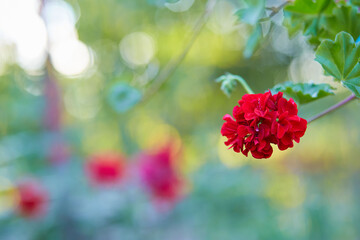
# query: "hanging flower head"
{"points": [[261, 120], [105, 169], [32, 199]]}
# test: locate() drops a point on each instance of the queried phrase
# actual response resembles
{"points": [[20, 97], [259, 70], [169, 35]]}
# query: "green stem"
{"points": [[244, 84]]}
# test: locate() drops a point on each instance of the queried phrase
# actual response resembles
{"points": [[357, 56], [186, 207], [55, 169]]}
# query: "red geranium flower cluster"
{"points": [[159, 175], [262, 119], [32, 199], [105, 169]]}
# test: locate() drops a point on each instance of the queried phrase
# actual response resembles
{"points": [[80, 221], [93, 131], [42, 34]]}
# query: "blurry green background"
{"points": [[62, 64]]}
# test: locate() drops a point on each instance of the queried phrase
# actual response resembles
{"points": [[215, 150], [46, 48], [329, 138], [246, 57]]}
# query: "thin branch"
{"points": [[274, 11], [332, 108], [170, 68], [278, 9]]}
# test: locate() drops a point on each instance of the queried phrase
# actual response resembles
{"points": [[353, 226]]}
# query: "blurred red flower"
{"points": [[32, 199], [158, 173], [105, 169], [262, 119]]}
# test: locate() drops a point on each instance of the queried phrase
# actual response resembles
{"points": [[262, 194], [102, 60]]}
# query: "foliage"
{"points": [[307, 16], [252, 14], [303, 92], [254, 11], [322, 21], [340, 58]]}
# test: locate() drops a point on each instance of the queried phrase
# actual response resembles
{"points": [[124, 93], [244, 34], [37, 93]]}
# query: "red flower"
{"points": [[105, 169], [32, 200], [262, 119], [159, 175]]}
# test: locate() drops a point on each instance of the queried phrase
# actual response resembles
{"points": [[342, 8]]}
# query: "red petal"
{"points": [[242, 131]]}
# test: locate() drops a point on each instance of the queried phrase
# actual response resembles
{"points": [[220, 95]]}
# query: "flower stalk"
{"points": [[243, 84], [229, 81], [332, 108]]}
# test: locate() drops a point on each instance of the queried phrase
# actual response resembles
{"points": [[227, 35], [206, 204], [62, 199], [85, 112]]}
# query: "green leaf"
{"points": [[353, 85], [307, 24], [253, 41], [311, 7], [122, 97], [303, 92], [293, 22], [253, 12], [326, 24], [344, 18], [340, 59], [307, 16]]}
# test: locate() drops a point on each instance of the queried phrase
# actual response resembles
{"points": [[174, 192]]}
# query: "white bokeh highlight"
{"points": [[71, 57], [137, 48]]}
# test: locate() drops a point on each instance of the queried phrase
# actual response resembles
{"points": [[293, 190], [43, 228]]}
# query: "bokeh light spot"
{"points": [[71, 58], [137, 48]]}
